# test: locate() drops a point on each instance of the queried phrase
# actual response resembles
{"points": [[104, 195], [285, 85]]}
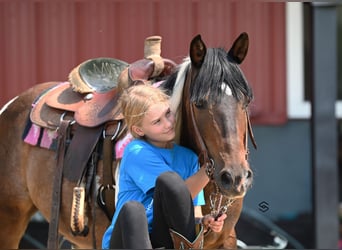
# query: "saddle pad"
{"points": [[38, 136]]}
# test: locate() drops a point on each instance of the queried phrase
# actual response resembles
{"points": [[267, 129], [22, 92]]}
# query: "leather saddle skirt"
{"points": [[88, 110]]}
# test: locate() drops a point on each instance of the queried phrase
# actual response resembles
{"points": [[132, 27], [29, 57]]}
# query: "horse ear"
{"points": [[239, 49], [198, 51]]}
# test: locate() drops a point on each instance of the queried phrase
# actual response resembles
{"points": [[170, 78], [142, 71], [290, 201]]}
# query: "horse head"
{"points": [[215, 114]]}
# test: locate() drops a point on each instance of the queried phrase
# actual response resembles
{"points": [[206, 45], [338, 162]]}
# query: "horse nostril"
{"points": [[226, 180], [249, 174]]}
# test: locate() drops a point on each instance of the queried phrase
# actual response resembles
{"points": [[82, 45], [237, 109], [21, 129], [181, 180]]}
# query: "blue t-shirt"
{"points": [[141, 164]]}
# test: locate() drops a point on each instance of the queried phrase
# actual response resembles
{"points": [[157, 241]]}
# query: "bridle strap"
{"points": [[250, 131], [202, 151], [203, 156]]}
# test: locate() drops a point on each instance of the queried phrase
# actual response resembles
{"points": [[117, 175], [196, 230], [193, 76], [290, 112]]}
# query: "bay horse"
{"points": [[212, 111]]}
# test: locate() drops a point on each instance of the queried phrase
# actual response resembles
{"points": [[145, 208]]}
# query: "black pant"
{"points": [[172, 208]]}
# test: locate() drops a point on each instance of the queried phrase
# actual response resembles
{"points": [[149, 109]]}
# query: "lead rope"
{"points": [[219, 203], [216, 208]]}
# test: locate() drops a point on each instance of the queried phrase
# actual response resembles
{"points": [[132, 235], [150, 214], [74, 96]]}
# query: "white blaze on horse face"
{"points": [[7, 104], [226, 89]]}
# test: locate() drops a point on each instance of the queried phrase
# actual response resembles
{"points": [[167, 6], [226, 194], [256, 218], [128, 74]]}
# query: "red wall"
{"points": [[44, 40]]}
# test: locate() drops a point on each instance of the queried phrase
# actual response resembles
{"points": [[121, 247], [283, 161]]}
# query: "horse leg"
{"points": [[14, 217], [26, 177], [16, 206]]}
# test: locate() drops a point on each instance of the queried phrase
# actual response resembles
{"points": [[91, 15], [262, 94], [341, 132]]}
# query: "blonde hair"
{"points": [[135, 102]]}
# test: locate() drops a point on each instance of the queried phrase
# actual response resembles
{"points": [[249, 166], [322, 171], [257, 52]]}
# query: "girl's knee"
{"points": [[133, 209], [169, 177], [171, 181]]}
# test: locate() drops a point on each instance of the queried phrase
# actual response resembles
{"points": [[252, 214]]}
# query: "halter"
{"points": [[203, 156], [209, 163]]}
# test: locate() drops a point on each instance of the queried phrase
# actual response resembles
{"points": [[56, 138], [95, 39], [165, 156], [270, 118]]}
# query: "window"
{"points": [[299, 60]]}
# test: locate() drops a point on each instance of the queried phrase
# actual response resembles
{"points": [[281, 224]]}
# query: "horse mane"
{"points": [[175, 83], [216, 69]]}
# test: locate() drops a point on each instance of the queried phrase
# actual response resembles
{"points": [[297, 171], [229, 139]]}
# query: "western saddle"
{"points": [[85, 114]]}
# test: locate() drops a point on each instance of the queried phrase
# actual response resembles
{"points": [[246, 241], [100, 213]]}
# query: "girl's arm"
{"points": [[198, 212], [197, 182]]}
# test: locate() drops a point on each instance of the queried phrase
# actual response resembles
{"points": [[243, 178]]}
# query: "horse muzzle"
{"points": [[235, 183]]}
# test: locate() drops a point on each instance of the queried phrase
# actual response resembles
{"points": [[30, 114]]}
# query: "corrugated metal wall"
{"points": [[43, 40]]}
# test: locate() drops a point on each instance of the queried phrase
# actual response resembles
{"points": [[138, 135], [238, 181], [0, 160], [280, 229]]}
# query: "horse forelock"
{"points": [[215, 70]]}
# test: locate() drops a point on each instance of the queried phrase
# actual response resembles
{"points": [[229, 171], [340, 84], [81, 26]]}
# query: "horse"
{"points": [[213, 120]]}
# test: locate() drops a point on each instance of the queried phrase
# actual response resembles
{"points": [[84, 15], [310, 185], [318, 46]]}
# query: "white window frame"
{"points": [[297, 107]]}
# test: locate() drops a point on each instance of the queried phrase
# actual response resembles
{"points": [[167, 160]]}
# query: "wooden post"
{"points": [[324, 126]]}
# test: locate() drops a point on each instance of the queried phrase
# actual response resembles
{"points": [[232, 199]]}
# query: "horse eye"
{"points": [[201, 104]]}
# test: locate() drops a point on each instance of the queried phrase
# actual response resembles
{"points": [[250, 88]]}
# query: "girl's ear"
{"points": [[137, 130]]}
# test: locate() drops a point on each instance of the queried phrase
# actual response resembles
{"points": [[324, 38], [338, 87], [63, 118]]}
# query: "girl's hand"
{"points": [[209, 222]]}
